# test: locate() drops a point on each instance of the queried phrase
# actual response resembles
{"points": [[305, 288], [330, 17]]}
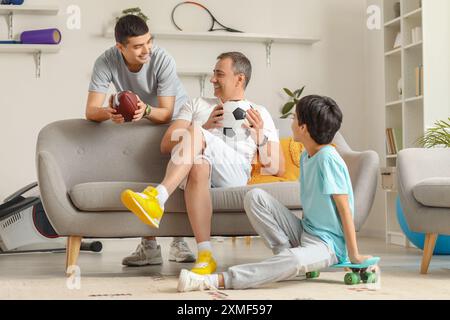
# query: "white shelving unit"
{"points": [[37, 50], [404, 113], [412, 112]]}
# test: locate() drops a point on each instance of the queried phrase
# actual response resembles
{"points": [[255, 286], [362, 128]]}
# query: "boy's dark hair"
{"points": [[321, 115], [241, 64], [129, 26]]}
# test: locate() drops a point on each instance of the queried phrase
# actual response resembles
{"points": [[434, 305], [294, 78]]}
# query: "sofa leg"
{"points": [[248, 241], [72, 252], [430, 242]]}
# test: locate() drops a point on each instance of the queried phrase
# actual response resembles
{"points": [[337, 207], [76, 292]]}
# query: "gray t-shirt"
{"points": [[157, 78]]}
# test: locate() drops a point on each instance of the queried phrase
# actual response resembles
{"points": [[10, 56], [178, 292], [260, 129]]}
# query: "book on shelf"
{"points": [[419, 80], [416, 35], [389, 142], [398, 139], [394, 140]]}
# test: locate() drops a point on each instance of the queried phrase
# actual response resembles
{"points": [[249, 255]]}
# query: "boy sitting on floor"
{"points": [[325, 236]]}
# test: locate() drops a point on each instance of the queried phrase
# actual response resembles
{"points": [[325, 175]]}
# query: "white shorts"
{"points": [[228, 168]]}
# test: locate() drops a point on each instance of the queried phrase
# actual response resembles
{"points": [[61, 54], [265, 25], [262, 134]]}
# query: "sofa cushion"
{"points": [[433, 192], [105, 196]]}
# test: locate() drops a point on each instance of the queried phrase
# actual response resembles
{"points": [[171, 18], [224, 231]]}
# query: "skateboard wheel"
{"points": [[371, 277], [312, 274], [352, 278]]}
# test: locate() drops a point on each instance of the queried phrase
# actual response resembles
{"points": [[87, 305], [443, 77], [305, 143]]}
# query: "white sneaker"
{"points": [[143, 256], [180, 252], [190, 281]]}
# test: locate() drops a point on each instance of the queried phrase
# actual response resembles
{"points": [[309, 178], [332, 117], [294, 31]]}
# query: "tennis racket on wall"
{"points": [[215, 24]]}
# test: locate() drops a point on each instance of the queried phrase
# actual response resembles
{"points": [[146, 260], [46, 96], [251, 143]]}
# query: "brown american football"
{"points": [[127, 105]]}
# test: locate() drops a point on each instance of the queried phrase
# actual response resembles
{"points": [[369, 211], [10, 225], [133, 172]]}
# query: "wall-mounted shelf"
{"points": [[11, 10], [29, 48], [30, 9], [36, 50], [267, 39], [240, 37]]}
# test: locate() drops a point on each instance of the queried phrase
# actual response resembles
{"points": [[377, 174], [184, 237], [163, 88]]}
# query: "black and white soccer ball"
{"points": [[234, 117]]}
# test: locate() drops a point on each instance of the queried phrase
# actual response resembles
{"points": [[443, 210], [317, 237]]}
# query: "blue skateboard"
{"points": [[359, 272]]}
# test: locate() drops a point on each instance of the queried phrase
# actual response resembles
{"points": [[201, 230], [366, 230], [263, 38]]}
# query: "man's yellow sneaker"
{"points": [[144, 205], [205, 263]]}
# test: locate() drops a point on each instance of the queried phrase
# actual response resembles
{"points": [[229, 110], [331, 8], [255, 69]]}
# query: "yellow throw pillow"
{"points": [[291, 151]]}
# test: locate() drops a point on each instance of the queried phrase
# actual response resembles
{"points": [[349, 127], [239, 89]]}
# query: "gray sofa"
{"points": [[424, 190], [83, 167]]}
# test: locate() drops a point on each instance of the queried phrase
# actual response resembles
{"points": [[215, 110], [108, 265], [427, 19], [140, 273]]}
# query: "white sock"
{"points": [[213, 279], [163, 195], [204, 246], [150, 244]]}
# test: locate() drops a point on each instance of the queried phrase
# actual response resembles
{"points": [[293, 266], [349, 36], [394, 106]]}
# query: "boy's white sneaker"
{"points": [[190, 281]]}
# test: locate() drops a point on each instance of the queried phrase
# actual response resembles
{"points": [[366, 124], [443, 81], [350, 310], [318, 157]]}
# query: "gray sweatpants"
{"points": [[295, 251]]}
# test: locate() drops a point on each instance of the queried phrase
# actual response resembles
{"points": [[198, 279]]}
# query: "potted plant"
{"points": [[437, 136], [135, 11], [286, 111]]}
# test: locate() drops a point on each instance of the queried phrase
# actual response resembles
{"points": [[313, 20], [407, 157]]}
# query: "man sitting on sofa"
{"points": [[204, 158], [138, 65]]}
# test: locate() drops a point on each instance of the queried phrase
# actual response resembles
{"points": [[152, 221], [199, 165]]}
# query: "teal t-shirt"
{"points": [[322, 176]]}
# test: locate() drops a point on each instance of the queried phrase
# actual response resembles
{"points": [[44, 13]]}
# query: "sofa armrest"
{"points": [[53, 190], [363, 168]]}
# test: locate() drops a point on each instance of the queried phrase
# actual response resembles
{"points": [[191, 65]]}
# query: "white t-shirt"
{"points": [[198, 111]]}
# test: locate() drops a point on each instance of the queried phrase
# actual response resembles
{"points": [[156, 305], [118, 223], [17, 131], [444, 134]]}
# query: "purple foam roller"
{"points": [[44, 36]]}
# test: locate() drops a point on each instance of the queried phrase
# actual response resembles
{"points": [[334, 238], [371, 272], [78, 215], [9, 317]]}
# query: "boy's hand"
{"points": [[358, 259], [139, 113]]}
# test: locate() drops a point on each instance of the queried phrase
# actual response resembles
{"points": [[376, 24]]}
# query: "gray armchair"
{"points": [[424, 190], [83, 167]]}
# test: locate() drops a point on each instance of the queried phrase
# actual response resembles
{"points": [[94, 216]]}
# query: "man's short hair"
{"points": [[322, 117], [241, 64], [129, 26]]}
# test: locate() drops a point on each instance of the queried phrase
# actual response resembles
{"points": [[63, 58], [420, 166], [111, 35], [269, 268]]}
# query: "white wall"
{"points": [[375, 116], [436, 33], [337, 67]]}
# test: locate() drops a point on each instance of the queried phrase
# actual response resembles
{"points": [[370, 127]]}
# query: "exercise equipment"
{"points": [[43, 36], [213, 18], [418, 239], [24, 226]]}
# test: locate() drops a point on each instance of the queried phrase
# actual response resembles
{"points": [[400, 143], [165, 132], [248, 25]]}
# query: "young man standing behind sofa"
{"points": [[136, 64]]}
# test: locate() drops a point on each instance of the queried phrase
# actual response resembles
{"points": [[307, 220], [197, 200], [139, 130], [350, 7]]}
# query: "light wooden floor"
{"points": [[41, 275]]}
